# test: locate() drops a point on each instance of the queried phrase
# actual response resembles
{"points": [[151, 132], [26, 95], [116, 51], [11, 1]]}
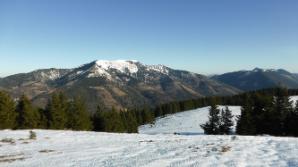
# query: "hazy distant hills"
{"points": [[115, 83], [258, 79]]}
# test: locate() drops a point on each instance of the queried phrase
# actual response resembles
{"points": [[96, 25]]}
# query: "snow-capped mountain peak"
{"points": [[104, 67], [120, 65]]}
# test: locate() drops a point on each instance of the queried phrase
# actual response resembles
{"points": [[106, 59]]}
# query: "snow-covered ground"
{"points": [[164, 149], [187, 123], [90, 149]]}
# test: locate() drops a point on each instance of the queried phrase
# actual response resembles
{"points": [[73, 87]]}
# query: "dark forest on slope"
{"points": [[265, 111]]}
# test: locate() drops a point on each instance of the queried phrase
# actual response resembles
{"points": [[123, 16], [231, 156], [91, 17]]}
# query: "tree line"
{"points": [[68, 113], [261, 113], [265, 111], [235, 100], [268, 114]]}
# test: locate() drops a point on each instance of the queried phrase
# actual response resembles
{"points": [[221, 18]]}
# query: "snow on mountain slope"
{"points": [[187, 122], [90, 149], [121, 65]]}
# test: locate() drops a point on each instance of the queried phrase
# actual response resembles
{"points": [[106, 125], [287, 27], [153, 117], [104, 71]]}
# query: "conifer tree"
{"points": [[57, 111], [79, 118], [7, 112], [291, 122], [43, 119], [212, 126], [245, 124], [113, 121], [282, 110], [226, 121], [130, 122], [98, 120], [147, 115], [28, 117]]}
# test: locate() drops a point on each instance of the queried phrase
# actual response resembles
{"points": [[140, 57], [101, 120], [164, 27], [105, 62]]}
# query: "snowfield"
{"points": [[185, 123], [91, 149]]}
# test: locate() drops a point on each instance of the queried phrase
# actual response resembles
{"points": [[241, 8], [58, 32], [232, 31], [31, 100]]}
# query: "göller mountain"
{"points": [[118, 83]]}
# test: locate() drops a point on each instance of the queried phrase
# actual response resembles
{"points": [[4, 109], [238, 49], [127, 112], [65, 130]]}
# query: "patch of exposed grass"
{"points": [[46, 151], [8, 140], [11, 158], [225, 149]]}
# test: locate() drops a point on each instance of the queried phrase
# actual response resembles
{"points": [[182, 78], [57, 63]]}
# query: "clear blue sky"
{"points": [[204, 36]]}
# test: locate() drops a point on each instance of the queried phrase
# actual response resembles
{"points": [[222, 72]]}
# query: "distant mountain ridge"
{"points": [[258, 78], [120, 83]]}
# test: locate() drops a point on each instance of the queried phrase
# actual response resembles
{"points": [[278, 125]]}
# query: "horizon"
{"points": [[205, 37]]}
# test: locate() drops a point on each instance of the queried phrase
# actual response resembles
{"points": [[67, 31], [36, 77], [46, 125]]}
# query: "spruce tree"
{"points": [[113, 121], [57, 111], [79, 118], [282, 110], [212, 126], [291, 122], [7, 112], [245, 124], [43, 119], [98, 120], [147, 115], [226, 121], [130, 121], [28, 117]]}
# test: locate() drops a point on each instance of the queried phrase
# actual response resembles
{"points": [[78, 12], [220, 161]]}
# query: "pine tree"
{"points": [[43, 119], [28, 116], [212, 126], [79, 118], [262, 113], [147, 115], [282, 110], [98, 120], [7, 112], [57, 111], [130, 121], [226, 121], [113, 121], [295, 120], [245, 124], [291, 122]]}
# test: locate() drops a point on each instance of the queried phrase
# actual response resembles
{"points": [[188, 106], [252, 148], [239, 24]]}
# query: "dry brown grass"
{"points": [[225, 149], [11, 158], [8, 140], [46, 151]]}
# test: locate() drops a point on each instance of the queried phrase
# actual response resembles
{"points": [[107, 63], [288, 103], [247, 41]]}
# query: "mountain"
{"points": [[115, 83], [258, 79]]}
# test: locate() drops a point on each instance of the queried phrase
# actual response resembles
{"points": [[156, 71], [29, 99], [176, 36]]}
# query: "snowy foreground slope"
{"points": [[186, 123], [66, 148]]}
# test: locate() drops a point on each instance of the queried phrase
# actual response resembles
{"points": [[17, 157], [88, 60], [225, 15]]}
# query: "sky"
{"points": [[203, 36]]}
